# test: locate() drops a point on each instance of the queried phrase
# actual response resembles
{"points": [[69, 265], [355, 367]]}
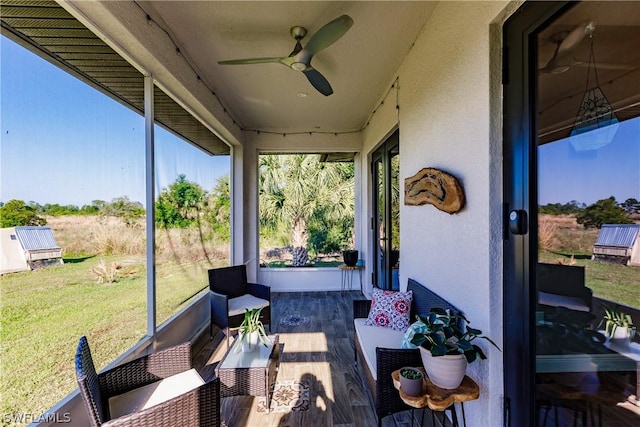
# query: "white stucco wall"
{"points": [[449, 109]]}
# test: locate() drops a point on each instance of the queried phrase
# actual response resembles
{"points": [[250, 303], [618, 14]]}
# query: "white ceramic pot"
{"points": [[250, 342], [620, 336], [444, 371]]}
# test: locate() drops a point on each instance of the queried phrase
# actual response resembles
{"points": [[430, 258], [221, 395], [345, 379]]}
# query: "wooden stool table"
{"points": [[347, 276], [439, 399]]}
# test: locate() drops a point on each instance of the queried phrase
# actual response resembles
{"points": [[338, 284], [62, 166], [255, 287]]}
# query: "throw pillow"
{"points": [[390, 309], [415, 328]]}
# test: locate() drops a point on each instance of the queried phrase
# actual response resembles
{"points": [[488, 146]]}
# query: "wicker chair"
{"points": [[198, 407], [231, 295]]}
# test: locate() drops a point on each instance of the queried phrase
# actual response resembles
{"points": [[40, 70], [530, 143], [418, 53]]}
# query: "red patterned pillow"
{"points": [[390, 309]]}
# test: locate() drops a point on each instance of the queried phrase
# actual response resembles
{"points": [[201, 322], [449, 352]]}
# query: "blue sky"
{"points": [[64, 142], [566, 174]]}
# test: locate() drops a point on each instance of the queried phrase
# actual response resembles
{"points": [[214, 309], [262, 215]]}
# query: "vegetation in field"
{"points": [[562, 240], [100, 291], [16, 212], [604, 211], [306, 204]]}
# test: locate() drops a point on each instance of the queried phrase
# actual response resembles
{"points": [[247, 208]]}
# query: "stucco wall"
{"points": [[448, 104]]}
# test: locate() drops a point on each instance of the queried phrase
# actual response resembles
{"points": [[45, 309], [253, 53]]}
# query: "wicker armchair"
{"points": [[231, 295], [198, 407]]}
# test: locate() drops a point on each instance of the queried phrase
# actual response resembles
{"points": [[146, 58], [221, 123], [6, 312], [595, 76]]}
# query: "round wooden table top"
{"points": [[436, 398]]}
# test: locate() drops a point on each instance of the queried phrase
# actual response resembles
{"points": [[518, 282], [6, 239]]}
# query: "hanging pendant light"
{"points": [[596, 124]]}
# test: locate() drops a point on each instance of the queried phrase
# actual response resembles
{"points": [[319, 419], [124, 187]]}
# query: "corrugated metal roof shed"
{"points": [[618, 235], [36, 238]]}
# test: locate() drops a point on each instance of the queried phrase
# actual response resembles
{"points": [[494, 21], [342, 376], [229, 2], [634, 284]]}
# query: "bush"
{"points": [[16, 213], [605, 211]]}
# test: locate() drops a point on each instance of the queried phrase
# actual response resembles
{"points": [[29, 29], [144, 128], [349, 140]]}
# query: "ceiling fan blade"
{"points": [[575, 36], [250, 61], [562, 59], [329, 34], [318, 81]]}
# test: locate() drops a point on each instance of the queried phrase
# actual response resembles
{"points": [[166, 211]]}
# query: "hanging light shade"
{"points": [[596, 124]]}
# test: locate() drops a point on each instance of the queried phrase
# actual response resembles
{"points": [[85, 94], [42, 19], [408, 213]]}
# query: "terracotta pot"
{"points": [[411, 386], [444, 371]]}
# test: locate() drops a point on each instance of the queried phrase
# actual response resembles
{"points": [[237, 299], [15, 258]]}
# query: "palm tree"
{"points": [[296, 188]]}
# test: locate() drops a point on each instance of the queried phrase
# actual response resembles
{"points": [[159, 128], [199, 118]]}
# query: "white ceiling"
{"points": [[360, 66]]}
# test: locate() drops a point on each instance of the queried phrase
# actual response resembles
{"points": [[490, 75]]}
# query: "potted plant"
{"points": [[411, 381], [446, 346], [251, 331], [618, 326], [568, 334], [350, 257], [568, 331]]}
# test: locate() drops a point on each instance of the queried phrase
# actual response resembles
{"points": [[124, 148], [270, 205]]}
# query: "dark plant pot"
{"points": [[350, 257], [411, 386], [395, 257]]}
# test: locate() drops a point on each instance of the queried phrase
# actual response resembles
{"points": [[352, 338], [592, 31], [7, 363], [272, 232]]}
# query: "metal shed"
{"points": [[28, 247], [619, 242]]}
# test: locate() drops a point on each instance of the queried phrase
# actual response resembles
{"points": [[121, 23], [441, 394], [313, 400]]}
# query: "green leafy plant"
{"points": [[614, 319], [252, 323], [448, 333], [568, 331], [411, 373]]}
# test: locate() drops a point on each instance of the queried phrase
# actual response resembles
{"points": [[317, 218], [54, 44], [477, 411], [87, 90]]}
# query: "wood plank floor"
{"points": [[319, 351]]}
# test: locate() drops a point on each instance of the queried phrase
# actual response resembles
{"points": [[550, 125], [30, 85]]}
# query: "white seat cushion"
{"points": [[371, 337], [239, 304], [555, 300], [154, 394]]}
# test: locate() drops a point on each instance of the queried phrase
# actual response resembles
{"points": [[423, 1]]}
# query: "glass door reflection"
{"points": [[588, 186]]}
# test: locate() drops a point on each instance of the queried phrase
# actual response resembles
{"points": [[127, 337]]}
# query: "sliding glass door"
{"points": [[572, 216]]}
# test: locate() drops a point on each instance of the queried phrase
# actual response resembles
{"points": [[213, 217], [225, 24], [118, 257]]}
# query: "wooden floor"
{"points": [[319, 351]]}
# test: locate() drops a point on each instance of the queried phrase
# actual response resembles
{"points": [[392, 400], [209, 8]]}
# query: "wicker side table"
{"points": [[251, 373], [439, 399]]}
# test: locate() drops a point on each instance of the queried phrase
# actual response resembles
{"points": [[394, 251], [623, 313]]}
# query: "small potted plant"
{"points": [[446, 346], [618, 326], [251, 331], [350, 257], [411, 381]]}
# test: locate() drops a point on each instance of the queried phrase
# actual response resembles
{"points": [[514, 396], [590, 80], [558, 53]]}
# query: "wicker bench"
{"points": [[378, 376]]}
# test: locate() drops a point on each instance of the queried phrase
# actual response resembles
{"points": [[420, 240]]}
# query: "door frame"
{"points": [[382, 154], [520, 194]]}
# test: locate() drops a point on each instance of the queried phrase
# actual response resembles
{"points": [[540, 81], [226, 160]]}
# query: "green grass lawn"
{"points": [[44, 313]]}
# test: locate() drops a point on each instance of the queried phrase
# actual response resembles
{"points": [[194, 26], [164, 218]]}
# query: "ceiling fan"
{"points": [[300, 58], [567, 41]]}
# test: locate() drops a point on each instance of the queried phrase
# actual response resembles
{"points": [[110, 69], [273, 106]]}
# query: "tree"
{"points": [[559, 209], [604, 211], [631, 205], [16, 213], [180, 204], [219, 207], [297, 190]]}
